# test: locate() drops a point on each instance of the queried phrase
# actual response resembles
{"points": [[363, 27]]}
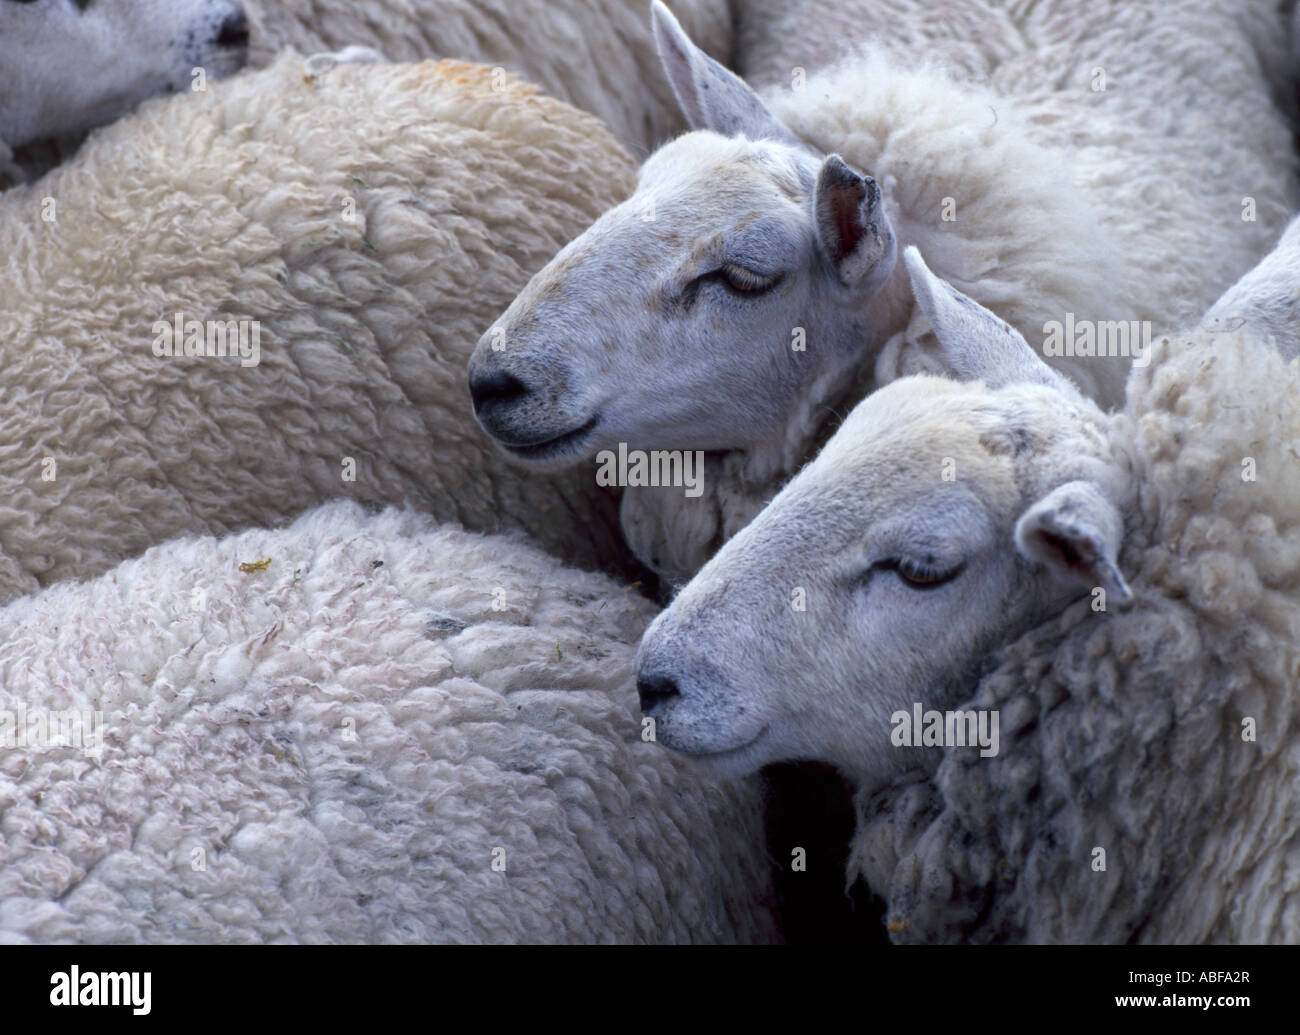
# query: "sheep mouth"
{"points": [[222, 63], [726, 754], [548, 448]]}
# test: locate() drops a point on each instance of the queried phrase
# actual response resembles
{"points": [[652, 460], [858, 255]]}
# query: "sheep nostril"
{"points": [[495, 388], [655, 690], [234, 31]]}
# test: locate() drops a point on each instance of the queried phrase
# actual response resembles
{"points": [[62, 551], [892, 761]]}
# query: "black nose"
{"points": [[495, 388], [654, 690], [234, 31]]}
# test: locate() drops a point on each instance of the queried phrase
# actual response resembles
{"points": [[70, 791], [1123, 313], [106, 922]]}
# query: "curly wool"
{"points": [[373, 252], [1128, 731], [1152, 123], [337, 749], [977, 37], [596, 54]]}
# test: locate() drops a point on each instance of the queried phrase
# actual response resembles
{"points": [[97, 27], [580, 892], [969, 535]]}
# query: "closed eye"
{"points": [[918, 575], [737, 280], [740, 280], [80, 5]]}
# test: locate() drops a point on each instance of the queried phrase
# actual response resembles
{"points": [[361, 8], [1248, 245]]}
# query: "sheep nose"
{"points": [[655, 690], [494, 388], [234, 30]]}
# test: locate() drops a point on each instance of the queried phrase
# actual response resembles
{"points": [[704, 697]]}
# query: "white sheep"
{"points": [[356, 729], [65, 67], [1107, 605], [1122, 164], [780, 42], [596, 54], [356, 260]]}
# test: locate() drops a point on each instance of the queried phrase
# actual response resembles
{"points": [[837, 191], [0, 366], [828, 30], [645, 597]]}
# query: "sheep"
{"points": [[778, 42], [355, 260], [359, 728], [596, 54], [65, 68], [758, 293], [1094, 617]]}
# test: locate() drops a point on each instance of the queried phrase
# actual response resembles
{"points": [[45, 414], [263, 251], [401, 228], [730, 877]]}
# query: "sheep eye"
{"points": [[744, 281], [915, 575]]}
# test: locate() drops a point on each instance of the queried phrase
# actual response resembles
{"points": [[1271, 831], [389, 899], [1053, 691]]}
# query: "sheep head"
{"points": [[66, 67], [695, 315], [942, 519]]}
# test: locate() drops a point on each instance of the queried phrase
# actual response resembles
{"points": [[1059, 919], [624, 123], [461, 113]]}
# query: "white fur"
{"points": [[1030, 190], [595, 54], [1265, 299], [396, 732], [975, 38], [371, 252], [1177, 520]]}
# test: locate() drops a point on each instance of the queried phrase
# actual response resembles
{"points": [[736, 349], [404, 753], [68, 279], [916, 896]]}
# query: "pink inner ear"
{"points": [[846, 209], [1078, 555]]}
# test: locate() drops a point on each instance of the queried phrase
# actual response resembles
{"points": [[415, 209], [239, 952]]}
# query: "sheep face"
{"points": [[69, 65], [689, 317], [696, 314], [941, 520]]}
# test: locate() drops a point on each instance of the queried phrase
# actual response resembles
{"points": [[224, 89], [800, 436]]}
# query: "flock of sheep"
{"points": [[983, 318]]}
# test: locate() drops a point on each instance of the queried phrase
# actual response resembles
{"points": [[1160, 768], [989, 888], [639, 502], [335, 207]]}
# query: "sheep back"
{"points": [[357, 729], [372, 221]]}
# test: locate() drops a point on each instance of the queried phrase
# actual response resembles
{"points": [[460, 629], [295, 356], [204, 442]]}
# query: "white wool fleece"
{"points": [[375, 730], [1161, 118], [369, 252], [1165, 735], [596, 54]]}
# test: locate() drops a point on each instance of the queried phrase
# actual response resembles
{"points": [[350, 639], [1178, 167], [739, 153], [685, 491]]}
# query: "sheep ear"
{"points": [[852, 229], [1076, 532], [977, 345], [710, 96], [1265, 303]]}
